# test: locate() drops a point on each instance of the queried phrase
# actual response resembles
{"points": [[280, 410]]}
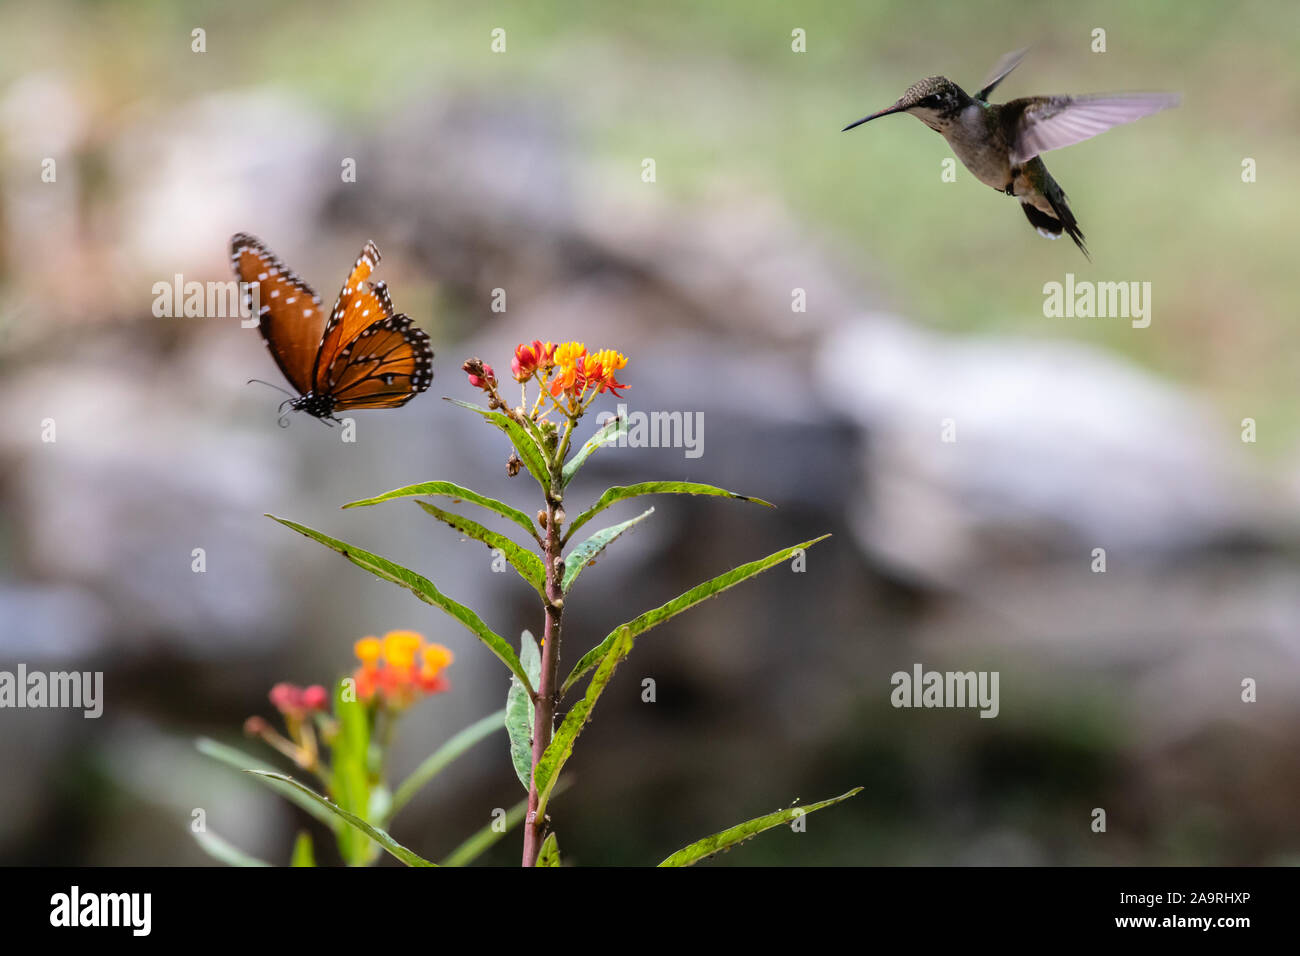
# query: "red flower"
{"points": [[530, 359], [315, 697], [297, 702], [487, 380]]}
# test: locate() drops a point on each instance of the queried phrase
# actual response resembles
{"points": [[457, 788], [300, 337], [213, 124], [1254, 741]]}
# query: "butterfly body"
{"points": [[319, 406], [361, 355]]}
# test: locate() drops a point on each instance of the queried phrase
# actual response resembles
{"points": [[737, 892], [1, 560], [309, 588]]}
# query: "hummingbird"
{"points": [[1000, 143]]}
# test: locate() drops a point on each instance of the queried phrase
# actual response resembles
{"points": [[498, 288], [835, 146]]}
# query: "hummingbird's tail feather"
{"points": [[1060, 220]]}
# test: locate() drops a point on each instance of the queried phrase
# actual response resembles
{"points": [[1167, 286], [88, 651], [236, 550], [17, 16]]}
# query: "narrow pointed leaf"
{"points": [[561, 746], [697, 594], [478, 844], [444, 755], [241, 761], [226, 852], [409, 857], [421, 587], [456, 492], [738, 834], [304, 853], [529, 452], [481, 840], [519, 714], [587, 552], [525, 562], [549, 854], [622, 492], [608, 432]]}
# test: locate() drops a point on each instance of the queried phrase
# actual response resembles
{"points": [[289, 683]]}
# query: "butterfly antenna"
{"points": [[270, 385]]}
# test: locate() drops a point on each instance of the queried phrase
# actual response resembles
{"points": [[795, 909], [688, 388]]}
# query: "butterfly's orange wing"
{"points": [[369, 357], [359, 306], [386, 365], [291, 318]]}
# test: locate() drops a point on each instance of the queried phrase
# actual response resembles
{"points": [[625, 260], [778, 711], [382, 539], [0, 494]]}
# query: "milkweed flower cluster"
{"points": [[297, 702], [300, 707], [568, 376], [400, 669]]}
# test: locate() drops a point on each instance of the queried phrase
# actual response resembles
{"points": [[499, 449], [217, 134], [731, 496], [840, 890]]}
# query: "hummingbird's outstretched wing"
{"points": [[999, 72], [1039, 123]]}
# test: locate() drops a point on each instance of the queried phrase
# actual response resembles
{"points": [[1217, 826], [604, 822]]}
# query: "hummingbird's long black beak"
{"points": [[896, 108]]}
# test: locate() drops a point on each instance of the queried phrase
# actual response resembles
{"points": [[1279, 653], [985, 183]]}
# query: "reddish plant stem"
{"points": [[547, 697]]}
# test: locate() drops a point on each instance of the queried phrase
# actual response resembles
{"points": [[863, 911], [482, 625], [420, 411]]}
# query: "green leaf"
{"points": [[408, 857], [481, 840], [304, 854], [728, 838], [608, 432], [561, 746], [226, 852], [525, 562], [520, 710], [440, 758], [421, 587], [349, 773], [549, 854], [529, 451], [242, 761], [491, 834], [456, 492], [697, 594], [622, 492], [587, 552]]}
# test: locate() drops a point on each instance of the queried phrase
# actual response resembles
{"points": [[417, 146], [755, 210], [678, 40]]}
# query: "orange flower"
{"points": [[601, 368], [436, 659], [388, 668], [568, 359]]}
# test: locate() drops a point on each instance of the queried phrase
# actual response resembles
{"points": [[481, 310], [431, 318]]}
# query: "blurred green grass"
{"points": [[714, 93]]}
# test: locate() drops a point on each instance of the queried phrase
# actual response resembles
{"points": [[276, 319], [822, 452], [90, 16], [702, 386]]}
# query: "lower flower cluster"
{"points": [[400, 668]]}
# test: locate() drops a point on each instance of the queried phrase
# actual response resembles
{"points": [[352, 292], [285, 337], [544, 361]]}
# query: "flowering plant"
{"points": [[566, 380], [346, 752]]}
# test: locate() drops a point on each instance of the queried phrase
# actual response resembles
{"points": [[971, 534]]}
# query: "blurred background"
{"points": [[522, 170]]}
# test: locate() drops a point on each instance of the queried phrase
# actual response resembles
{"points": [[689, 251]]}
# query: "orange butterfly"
{"points": [[362, 356]]}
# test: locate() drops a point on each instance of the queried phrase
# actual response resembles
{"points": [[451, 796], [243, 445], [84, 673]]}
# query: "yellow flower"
{"points": [[568, 362], [436, 657], [400, 648], [368, 650], [599, 370], [567, 355]]}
